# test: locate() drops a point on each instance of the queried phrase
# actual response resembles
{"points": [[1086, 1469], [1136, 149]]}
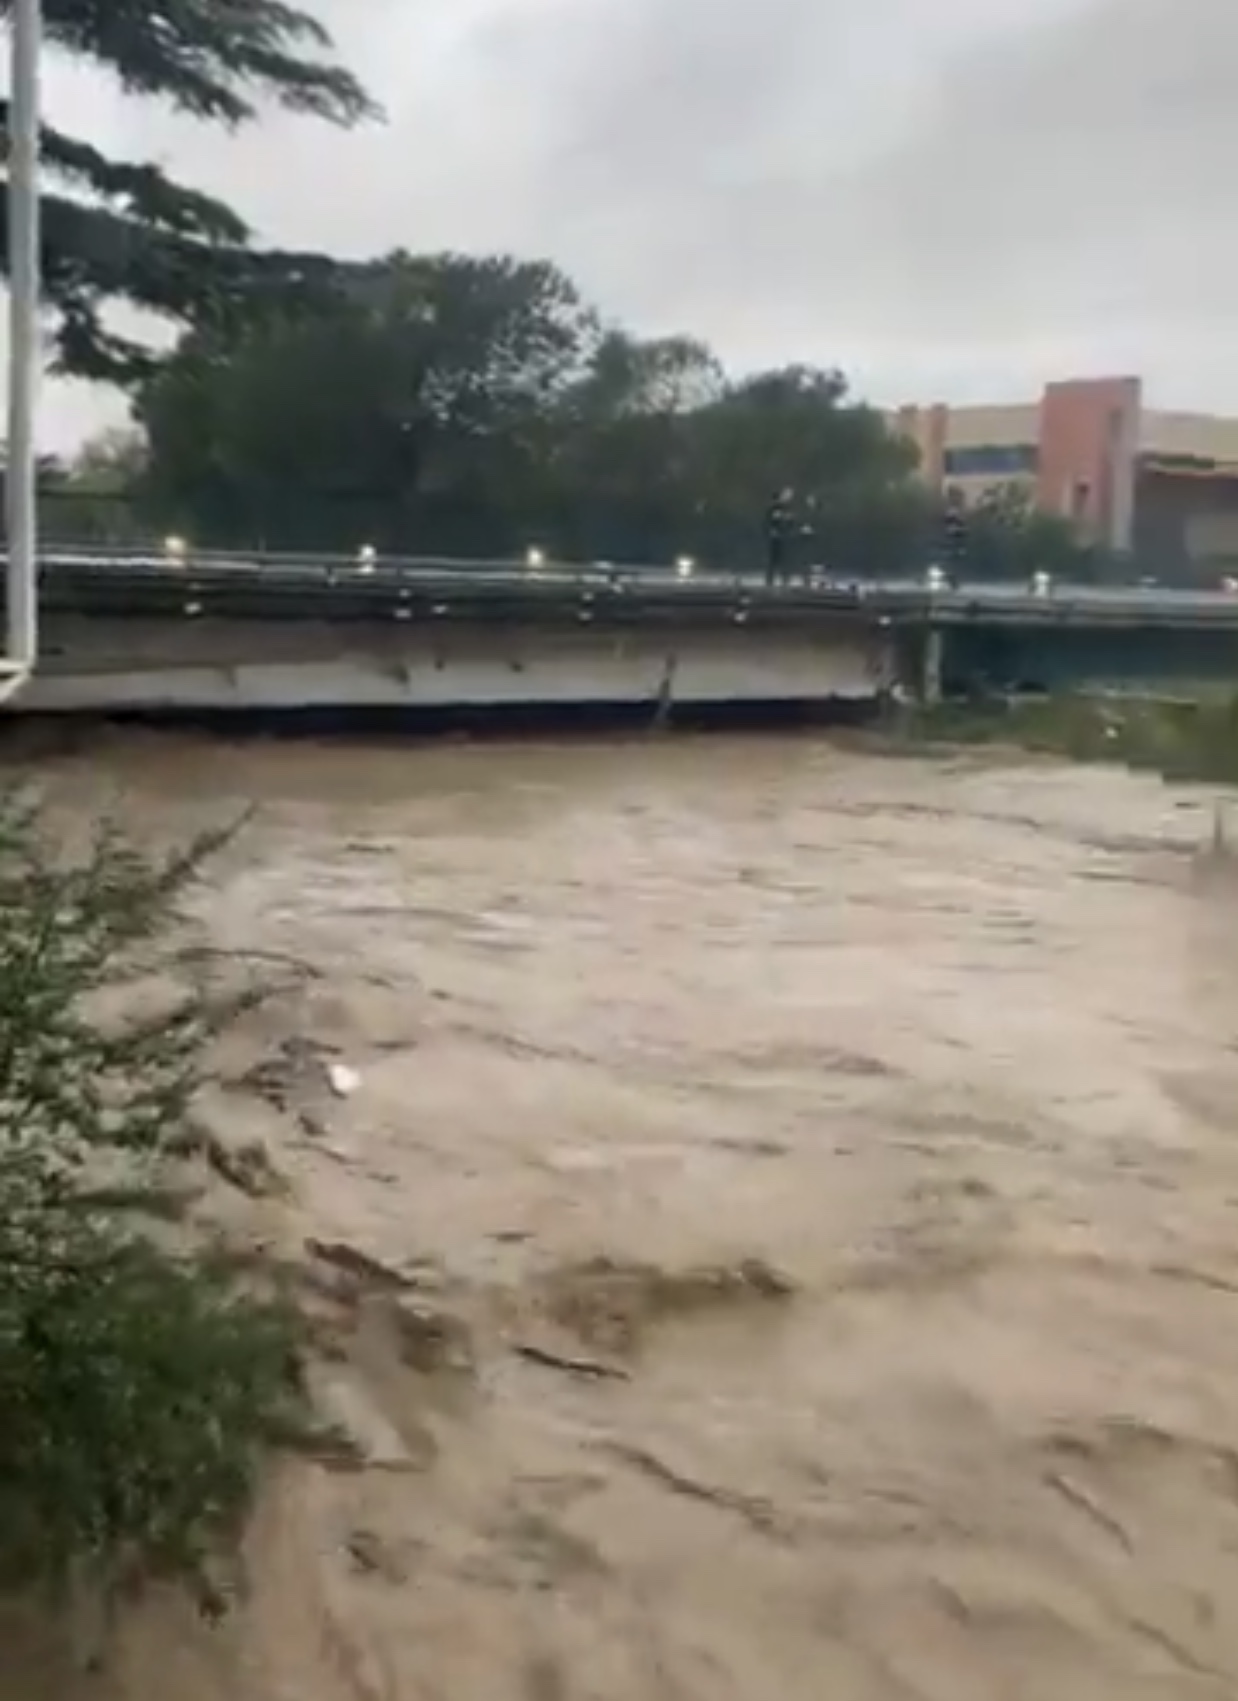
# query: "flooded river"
{"points": [[817, 1178]]}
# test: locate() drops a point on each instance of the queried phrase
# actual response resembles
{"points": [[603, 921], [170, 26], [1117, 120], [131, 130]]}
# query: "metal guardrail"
{"points": [[415, 571], [140, 582], [1083, 606]]}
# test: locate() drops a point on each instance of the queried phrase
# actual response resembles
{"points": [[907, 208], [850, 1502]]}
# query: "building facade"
{"points": [[1161, 487]]}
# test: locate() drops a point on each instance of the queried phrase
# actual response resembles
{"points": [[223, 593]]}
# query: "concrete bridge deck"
{"points": [[134, 630]]}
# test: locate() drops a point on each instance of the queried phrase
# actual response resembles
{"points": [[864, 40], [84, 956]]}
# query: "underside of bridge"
{"points": [[224, 665]]}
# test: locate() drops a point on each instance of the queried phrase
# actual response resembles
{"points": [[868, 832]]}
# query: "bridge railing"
{"points": [[332, 567], [533, 575], [178, 582], [176, 579]]}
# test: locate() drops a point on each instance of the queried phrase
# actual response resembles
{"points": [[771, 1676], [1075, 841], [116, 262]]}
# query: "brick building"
{"points": [[1162, 487]]}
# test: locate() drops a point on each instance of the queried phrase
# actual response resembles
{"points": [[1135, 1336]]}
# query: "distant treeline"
{"points": [[446, 405]]}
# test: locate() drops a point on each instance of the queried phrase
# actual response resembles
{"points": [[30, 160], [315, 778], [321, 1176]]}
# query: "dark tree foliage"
{"points": [[1004, 535], [446, 404], [421, 395], [120, 230]]}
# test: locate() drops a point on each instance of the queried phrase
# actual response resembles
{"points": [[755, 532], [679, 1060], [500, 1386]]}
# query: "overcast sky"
{"points": [[952, 199]]}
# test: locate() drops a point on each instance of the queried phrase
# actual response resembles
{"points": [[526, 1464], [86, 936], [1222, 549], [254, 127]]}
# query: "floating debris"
{"points": [[342, 1079]]}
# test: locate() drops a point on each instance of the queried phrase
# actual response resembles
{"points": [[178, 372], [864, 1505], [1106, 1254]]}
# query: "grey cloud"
{"points": [[958, 198], [1087, 173], [1062, 173]]}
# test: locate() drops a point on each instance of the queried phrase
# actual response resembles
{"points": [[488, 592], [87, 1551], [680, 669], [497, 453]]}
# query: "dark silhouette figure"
{"points": [[779, 529], [955, 538]]}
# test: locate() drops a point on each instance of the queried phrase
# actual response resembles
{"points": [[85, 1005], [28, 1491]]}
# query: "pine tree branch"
{"points": [[214, 59], [170, 252], [142, 191], [127, 231]]}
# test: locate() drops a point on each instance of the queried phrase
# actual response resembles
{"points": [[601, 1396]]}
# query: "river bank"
{"points": [[1188, 741]]}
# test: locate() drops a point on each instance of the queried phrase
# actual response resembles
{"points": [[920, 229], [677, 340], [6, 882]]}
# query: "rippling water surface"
{"points": [[647, 1031]]}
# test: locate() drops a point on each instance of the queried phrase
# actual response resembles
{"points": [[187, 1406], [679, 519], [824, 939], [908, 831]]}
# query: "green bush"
{"points": [[140, 1379], [1184, 741]]}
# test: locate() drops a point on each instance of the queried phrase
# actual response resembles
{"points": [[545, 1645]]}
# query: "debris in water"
{"points": [[247, 1167], [755, 1510], [1084, 1502], [609, 1303], [343, 1079], [360, 1266], [374, 1556], [572, 1363]]}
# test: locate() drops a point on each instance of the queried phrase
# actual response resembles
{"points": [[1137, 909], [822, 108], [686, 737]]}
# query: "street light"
{"points": [[26, 27]]}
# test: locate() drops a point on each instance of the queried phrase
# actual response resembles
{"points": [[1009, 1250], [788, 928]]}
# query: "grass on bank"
{"points": [[1184, 741], [140, 1383]]}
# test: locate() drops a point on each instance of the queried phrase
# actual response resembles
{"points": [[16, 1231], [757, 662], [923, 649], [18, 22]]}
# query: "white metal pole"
{"points": [[25, 352]]}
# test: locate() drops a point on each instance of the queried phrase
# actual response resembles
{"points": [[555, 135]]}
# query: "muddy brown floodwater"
{"points": [[814, 1181]]}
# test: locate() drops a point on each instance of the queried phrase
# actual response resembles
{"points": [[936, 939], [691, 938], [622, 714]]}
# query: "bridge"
{"points": [[166, 631]]}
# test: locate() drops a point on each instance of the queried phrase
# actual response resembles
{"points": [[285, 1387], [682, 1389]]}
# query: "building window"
{"points": [[991, 460], [1156, 461]]}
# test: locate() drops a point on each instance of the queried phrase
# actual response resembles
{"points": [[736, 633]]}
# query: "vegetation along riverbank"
{"points": [[1194, 740]]}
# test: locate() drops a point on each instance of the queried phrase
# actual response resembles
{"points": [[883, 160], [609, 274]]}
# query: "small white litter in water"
{"points": [[344, 1081], [580, 1159]]}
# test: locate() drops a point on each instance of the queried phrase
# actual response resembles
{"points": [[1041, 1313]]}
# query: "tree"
{"points": [[1008, 537], [94, 498], [274, 435], [411, 409], [619, 481], [795, 428], [486, 351], [113, 460], [140, 1380], [123, 230], [629, 378], [445, 404]]}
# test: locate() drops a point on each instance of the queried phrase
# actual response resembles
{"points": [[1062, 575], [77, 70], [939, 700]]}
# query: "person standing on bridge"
{"points": [[779, 527]]}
